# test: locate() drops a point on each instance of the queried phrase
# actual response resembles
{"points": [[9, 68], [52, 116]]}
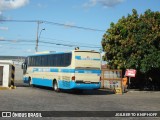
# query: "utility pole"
{"points": [[37, 39], [38, 35]]}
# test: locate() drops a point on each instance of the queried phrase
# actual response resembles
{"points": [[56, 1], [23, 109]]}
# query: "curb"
{"points": [[7, 88], [143, 92], [4, 88]]}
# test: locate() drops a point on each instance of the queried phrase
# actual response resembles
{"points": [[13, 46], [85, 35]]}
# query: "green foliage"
{"points": [[134, 42]]}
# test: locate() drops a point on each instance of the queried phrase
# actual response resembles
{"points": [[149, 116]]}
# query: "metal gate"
{"points": [[112, 79]]}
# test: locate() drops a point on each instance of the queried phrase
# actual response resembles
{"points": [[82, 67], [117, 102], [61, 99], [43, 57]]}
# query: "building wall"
{"points": [[6, 75], [18, 72]]}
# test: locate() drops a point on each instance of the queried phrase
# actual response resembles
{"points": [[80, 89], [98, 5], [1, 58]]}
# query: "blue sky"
{"points": [[97, 14]]}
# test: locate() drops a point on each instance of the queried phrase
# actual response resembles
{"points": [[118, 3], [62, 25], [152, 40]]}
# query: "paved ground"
{"points": [[26, 98]]}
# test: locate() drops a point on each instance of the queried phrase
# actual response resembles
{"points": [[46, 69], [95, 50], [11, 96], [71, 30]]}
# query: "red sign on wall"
{"points": [[130, 73]]}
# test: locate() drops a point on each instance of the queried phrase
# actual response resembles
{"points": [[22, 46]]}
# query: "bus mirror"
{"points": [[22, 66]]}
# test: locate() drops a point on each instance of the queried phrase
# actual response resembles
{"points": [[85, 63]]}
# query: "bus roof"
{"points": [[86, 51], [51, 53]]}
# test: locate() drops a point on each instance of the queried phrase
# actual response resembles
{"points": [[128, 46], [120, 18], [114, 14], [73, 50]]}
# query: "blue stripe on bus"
{"points": [[35, 70], [62, 84], [42, 82], [80, 58], [88, 71], [66, 70], [73, 85], [96, 59], [54, 70]]}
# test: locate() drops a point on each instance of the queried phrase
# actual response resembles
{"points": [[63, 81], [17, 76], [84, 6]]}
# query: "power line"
{"points": [[74, 26], [69, 45], [28, 21], [55, 23], [54, 43], [53, 39], [58, 24], [23, 44]]}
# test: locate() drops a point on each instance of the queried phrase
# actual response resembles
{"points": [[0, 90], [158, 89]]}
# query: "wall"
{"points": [[6, 79]]}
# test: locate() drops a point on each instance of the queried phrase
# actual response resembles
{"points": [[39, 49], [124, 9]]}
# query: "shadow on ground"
{"points": [[91, 92], [20, 84], [74, 92]]}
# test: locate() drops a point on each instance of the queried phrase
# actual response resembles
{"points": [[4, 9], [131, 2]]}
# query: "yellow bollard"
{"points": [[12, 78]]}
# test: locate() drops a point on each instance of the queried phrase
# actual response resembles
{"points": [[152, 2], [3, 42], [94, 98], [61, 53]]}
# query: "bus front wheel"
{"points": [[55, 86], [30, 82]]}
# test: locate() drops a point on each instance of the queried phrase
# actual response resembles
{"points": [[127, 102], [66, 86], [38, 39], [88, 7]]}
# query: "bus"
{"points": [[79, 70]]}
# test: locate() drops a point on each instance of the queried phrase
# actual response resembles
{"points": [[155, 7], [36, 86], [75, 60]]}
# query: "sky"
{"points": [[68, 23]]}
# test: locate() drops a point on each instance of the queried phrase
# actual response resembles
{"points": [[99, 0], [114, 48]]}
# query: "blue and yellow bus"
{"points": [[68, 70]]}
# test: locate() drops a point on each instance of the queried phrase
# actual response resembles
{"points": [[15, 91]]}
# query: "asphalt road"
{"points": [[26, 98]]}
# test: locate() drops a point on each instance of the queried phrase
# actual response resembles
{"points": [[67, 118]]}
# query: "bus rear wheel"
{"points": [[55, 86]]}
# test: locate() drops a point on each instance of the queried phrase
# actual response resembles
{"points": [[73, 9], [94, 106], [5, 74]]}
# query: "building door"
{"points": [[1, 75]]}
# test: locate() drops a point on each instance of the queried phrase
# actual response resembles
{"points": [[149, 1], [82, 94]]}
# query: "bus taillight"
{"points": [[73, 78]]}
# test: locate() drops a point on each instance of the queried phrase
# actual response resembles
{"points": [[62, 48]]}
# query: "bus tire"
{"points": [[30, 82], [55, 86]]}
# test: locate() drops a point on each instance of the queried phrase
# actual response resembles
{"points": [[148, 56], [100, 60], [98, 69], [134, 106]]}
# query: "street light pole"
{"points": [[40, 33], [37, 36]]}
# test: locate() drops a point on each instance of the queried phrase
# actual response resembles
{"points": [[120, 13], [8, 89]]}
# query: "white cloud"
{"points": [[4, 28], [12, 4], [90, 3], [1, 38], [1, 15], [105, 3], [41, 5]]}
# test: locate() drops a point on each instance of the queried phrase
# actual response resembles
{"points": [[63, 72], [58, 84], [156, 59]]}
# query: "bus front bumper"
{"points": [[26, 79]]}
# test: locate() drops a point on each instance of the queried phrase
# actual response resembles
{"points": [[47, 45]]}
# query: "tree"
{"points": [[134, 42]]}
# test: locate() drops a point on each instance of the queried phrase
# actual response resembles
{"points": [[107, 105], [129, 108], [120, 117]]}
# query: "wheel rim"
{"points": [[30, 82], [55, 86]]}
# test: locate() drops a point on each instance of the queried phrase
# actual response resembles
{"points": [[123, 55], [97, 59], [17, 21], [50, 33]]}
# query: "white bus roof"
{"points": [[86, 51], [53, 52]]}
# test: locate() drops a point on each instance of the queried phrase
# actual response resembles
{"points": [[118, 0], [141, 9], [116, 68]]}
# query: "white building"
{"points": [[7, 74]]}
